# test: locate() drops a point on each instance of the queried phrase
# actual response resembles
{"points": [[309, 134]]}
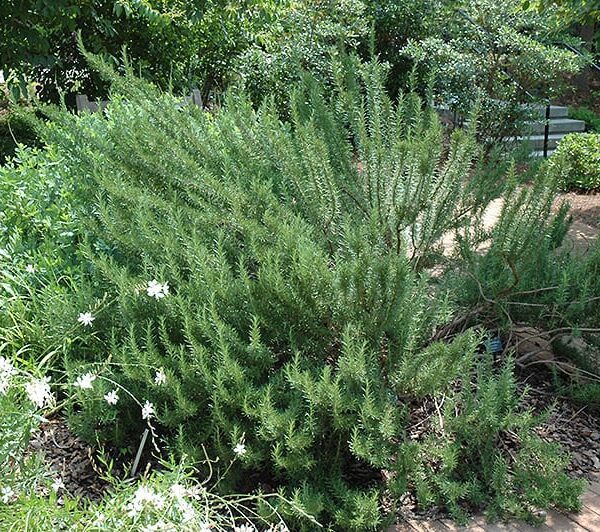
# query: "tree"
{"points": [[580, 17], [494, 53], [172, 42]]}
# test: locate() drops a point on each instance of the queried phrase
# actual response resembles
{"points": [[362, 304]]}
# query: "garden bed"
{"points": [[576, 428]]}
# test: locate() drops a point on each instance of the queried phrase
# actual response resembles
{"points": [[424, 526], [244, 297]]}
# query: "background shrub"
{"points": [[179, 43], [582, 152], [39, 257], [302, 39], [591, 119], [395, 23], [15, 129]]}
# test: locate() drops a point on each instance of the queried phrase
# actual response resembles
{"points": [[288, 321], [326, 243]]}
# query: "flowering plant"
{"points": [[171, 498]]}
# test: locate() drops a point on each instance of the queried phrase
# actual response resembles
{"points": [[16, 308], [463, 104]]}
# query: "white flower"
{"points": [[30, 268], [178, 491], [154, 289], [187, 511], [133, 509], [160, 378], [4, 383], [147, 410], [7, 494], [195, 492], [157, 290], [6, 366], [144, 496], [38, 391], [58, 484], [281, 527], [205, 527], [244, 528], [100, 520], [159, 526], [7, 370], [85, 381], [86, 319], [111, 397], [240, 449]]}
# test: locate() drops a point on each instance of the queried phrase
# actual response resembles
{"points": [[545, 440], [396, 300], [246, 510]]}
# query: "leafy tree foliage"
{"points": [[582, 151], [170, 41], [302, 37], [569, 11], [496, 55], [264, 42]]}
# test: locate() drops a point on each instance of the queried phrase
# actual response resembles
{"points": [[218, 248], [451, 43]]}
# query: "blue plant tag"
{"points": [[494, 345]]}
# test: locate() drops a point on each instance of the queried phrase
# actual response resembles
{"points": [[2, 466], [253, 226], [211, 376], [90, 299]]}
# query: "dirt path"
{"points": [[585, 210]]}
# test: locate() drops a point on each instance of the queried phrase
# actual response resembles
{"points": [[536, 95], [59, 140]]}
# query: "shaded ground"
{"points": [[70, 459]]}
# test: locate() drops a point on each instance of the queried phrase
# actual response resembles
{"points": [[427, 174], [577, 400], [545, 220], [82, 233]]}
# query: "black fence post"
{"points": [[546, 130]]}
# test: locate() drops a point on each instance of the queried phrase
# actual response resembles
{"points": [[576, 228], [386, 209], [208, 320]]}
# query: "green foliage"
{"points": [[307, 268], [582, 387], [591, 119], [13, 131], [495, 55], [302, 38], [582, 152], [37, 211], [583, 394], [475, 421], [172, 42], [39, 257], [568, 12], [168, 497], [530, 277], [395, 22], [20, 471], [261, 43]]}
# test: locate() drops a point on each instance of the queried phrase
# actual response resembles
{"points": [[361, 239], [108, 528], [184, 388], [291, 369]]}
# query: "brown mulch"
{"points": [[70, 459], [575, 427]]}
